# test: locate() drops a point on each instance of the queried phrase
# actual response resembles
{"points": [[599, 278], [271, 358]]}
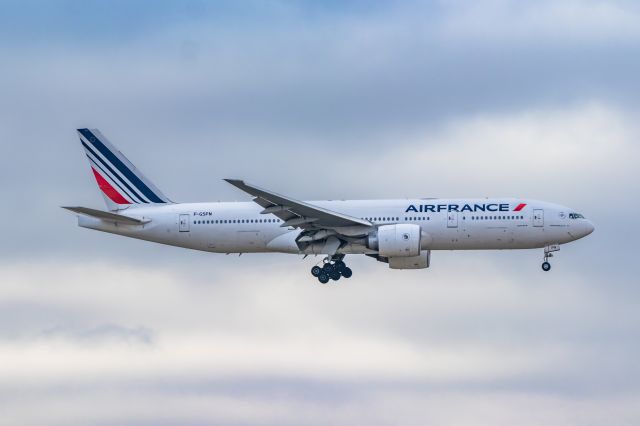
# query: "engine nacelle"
{"points": [[400, 240], [413, 262]]}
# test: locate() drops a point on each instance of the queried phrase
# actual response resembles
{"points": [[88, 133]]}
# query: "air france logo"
{"points": [[435, 208]]}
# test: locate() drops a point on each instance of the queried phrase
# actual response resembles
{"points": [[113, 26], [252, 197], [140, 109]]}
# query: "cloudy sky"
{"points": [[334, 99]]}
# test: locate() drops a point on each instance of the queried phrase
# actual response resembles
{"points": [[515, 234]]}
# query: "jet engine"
{"points": [[400, 240]]}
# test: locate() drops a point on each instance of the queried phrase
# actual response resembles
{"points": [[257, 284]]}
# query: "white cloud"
{"points": [[230, 347], [239, 326], [562, 155], [412, 101]]}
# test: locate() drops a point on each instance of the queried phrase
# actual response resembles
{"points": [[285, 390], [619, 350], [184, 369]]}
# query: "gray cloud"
{"points": [[345, 100]]}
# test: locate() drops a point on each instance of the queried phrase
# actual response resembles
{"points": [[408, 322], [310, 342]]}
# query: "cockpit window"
{"points": [[575, 216]]}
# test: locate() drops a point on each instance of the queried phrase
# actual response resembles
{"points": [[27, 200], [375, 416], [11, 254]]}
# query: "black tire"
{"points": [[339, 265], [327, 268], [347, 272], [315, 271], [335, 275], [323, 278], [546, 266]]}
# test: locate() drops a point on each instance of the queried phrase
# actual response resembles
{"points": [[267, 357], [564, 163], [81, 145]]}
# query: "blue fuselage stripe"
{"points": [[126, 172]]}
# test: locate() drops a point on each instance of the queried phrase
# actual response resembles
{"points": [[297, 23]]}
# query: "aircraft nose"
{"points": [[589, 227], [581, 228]]}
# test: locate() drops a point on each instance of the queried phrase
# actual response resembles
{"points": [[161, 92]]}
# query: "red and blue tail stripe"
{"points": [[118, 179], [108, 174]]}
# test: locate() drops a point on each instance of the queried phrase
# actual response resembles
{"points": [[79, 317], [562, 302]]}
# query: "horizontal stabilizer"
{"points": [[111, 217]]}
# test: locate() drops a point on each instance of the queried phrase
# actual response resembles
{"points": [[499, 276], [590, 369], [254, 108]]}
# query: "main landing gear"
{"points": [[546, 266], [333, 268]]}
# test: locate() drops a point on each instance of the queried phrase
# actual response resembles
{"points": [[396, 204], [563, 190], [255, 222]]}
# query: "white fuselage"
{"points": [[449, 224]]}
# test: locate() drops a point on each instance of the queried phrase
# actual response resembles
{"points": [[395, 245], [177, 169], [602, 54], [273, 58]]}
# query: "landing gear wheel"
{"points": [[332, 268], [327, 268], [546, 266], [347, 272]]}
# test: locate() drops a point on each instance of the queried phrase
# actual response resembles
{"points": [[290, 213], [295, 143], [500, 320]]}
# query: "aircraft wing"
{"points": [[297, 213], [111, 217]]}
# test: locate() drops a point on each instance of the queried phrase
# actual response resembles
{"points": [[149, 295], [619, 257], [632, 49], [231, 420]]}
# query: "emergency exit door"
{"points": [[538, 217], [183, 223]]}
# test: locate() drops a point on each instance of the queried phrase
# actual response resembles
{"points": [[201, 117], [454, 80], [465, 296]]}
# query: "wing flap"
{"points": [[297, 213]]}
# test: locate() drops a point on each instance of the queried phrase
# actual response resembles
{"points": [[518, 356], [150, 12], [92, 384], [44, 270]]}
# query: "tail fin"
{"points": [[121, 183]]}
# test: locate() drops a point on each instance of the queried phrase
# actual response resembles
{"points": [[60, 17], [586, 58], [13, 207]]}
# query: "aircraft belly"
{"points": [[235, 241], [472, 237]]}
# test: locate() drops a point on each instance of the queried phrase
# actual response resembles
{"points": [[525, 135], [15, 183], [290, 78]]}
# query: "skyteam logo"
{"points": [[435, 208]]}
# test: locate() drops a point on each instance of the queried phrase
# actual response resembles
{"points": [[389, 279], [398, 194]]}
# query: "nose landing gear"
{"points": [[333, 268], [546, 266]]}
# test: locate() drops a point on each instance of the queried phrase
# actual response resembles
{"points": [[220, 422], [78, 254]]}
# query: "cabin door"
{"points": [[452, 220], [183, 223], [538, 217]]}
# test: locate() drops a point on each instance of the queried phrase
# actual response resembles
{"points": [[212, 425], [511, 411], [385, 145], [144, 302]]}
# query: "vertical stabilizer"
{"points": [[121, 183]]}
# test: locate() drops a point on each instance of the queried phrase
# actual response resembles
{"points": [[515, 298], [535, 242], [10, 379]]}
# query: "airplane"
{"points": [[400, 232]]}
